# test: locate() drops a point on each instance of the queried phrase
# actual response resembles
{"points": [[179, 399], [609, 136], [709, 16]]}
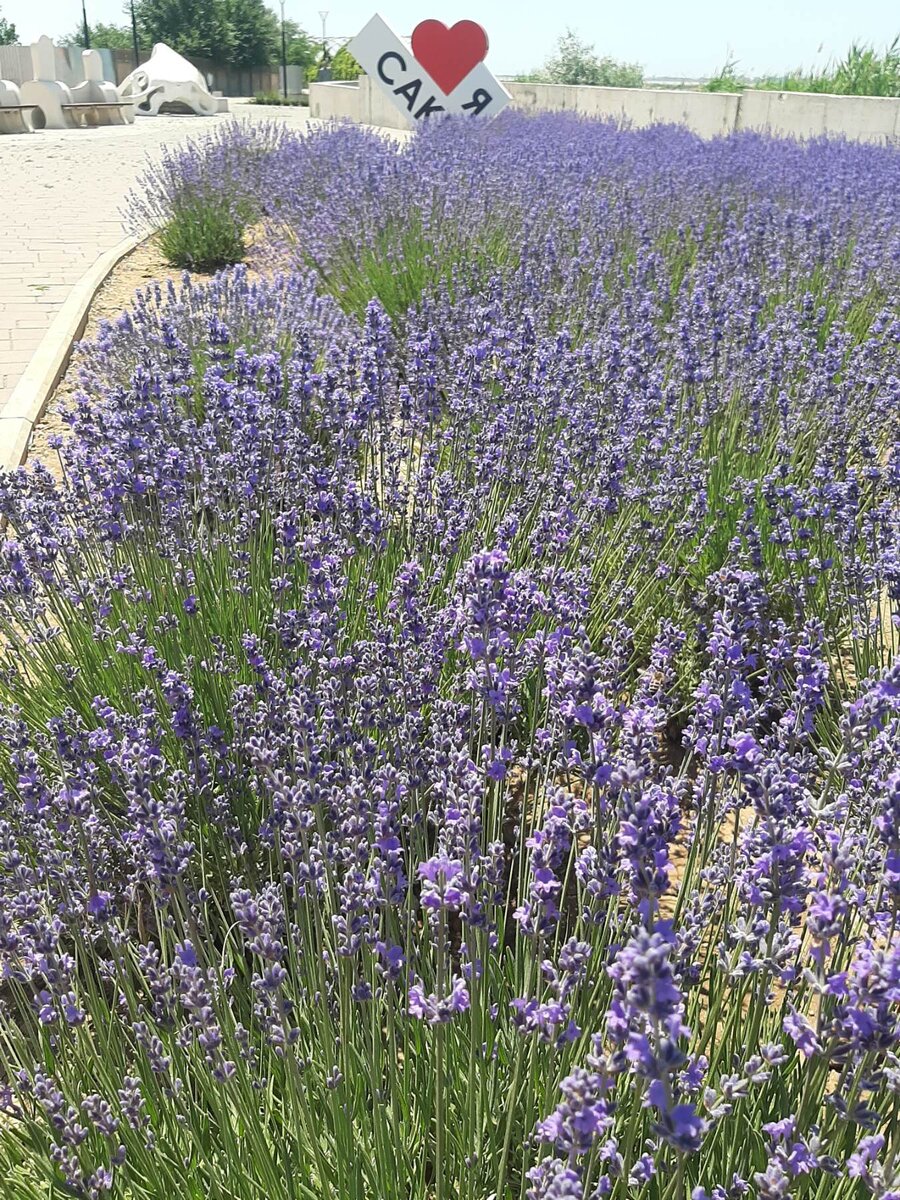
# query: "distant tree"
{"points": [[188, 27], [8, 35], [104, 37], [345, 66], [255, 32], [576, 62], [240, 33], [302, 51]]}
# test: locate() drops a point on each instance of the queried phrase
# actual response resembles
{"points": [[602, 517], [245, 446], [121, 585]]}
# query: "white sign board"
{"points": [[392, 66]]}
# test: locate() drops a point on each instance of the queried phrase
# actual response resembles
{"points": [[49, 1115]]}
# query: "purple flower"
{"points": [[441, 883], [438, 1010], [583, 1116]]}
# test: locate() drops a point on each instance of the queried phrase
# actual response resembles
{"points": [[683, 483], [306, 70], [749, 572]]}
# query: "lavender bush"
{"points": [[201, 225], [450, 710]]}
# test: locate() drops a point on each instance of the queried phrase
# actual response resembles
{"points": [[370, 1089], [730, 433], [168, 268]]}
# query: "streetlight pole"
{"points": [[134, 37], [323, 13], [87, 32], [283, 54]]}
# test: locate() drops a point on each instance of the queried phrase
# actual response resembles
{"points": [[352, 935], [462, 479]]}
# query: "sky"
{"points": [[669, 38]]}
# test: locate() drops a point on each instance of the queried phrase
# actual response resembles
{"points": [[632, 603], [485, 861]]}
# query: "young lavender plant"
{"points": [[450, 725]]}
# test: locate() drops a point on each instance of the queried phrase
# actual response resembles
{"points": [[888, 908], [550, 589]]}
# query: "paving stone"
{"points": [[70, 188]]}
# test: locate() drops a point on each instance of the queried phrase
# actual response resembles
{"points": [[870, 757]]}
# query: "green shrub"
{"points": [[726, 80], [203, 234], [862, 72], [344, 66], [277, 98], [401, 262], [866, 73], [575, 62]]}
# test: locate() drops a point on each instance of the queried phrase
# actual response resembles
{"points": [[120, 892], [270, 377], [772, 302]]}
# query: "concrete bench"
{"points": [[14, 116], [13, 119], [94, 113], [93, 102]]}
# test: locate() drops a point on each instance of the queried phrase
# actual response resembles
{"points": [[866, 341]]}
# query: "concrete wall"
{"points": [[15, 65], [335, 101], [381, 110], [362, 101], [709, 114], [801, 114]]}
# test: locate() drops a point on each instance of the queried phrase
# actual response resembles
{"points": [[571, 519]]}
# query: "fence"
{"points": [[15, 65], [709, 114]]}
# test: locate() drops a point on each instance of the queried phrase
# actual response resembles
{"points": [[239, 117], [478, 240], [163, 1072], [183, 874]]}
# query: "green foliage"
{"points": [[345, 66], [8, 36], [240, 33], [203, 235], [862, 72], [106, 37], [403, 260], [302, 51], [277, 98], [866, 73], [576, 62], [189, 28], [255, 32], [727, 79]]}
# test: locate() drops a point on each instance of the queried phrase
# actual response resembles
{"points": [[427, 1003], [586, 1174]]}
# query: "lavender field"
{"points": [[450, 709]]}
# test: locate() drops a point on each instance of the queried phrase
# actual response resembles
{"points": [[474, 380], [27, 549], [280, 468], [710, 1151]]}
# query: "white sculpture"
{"points": [[45, 91], [169, 82], [99, 99], [14, 116]]}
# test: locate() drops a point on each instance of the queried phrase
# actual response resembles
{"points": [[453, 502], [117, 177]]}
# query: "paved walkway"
{"points": [[61, 198]]}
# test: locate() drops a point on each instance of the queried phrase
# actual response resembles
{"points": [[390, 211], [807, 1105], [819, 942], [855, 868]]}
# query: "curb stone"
{"points": [[26, 405]]}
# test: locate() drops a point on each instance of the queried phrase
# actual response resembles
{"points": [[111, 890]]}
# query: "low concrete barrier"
{"points": [[804, 115], [709, 114], [362, 102], [335, 101], [16, 65]]}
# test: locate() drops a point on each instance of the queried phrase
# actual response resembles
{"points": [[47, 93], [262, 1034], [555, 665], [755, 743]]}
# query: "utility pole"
{"points": [[134, 37], [283, 54], [87, 32]]}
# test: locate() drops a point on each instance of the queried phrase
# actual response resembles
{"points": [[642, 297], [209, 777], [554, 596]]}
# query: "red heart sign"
{"points": [[448, 55]]}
